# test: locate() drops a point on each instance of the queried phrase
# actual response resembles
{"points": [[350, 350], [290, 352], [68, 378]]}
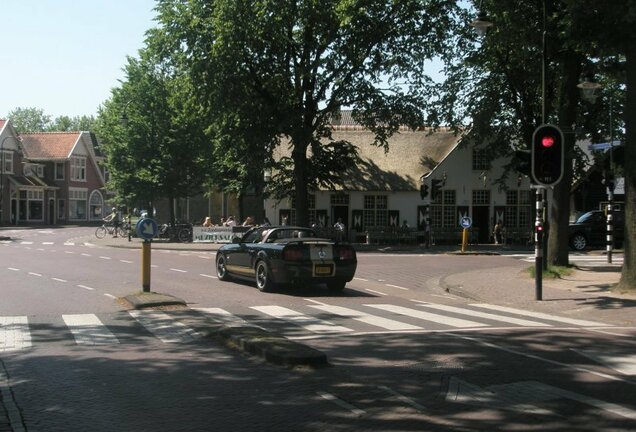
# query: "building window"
{"points": [[311, 200], [376, 211], [78, 168], [77, 203], [339, 199], [61, 209], [59, 171], [7, 156], [481, 197], [444, 210], [480, 160], [31, 205], [96, 205], [518, 211]]}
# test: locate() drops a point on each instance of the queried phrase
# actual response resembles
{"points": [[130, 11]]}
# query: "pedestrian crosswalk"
{"points": [[303, 321]]}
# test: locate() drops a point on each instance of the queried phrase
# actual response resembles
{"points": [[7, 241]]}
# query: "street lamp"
{"points": [[2, 170]]}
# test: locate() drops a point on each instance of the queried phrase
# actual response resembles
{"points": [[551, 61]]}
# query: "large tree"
{"points": [[150, 133], [284, 68], [35, 120]]}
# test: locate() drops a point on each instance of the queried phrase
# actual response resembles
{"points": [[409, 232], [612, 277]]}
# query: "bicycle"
{"points": [[101, 231]]}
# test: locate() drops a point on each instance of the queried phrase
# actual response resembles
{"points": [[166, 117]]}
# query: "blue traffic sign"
{"points": [[146, 228], [466, 222]]}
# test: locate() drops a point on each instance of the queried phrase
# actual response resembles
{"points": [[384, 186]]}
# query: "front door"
{"points": [[481, 220]]}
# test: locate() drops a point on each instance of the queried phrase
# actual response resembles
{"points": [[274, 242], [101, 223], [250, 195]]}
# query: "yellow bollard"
{"points": [[464, 239], [145, 266]]}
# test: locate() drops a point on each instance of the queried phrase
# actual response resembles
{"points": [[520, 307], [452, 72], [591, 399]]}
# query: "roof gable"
{"points": [[49, 145]]}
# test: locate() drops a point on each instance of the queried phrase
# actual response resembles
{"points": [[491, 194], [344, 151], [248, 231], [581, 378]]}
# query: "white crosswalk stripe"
{"points": [[488, 316], [164, 327], [225, 317], [89, 330], [540, 315], [426, 316], [310, 323], [14, 333], [385, 323]]}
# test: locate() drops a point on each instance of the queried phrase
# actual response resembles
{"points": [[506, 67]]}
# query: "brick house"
{"points": [[50, 178]]}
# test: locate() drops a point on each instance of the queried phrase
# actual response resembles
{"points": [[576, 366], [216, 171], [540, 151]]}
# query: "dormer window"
{"points": [[7, 159], [78, 168], [34, 170]]}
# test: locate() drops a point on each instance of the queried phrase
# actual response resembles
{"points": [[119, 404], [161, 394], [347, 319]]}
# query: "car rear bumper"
{"points": [[286, 272]]}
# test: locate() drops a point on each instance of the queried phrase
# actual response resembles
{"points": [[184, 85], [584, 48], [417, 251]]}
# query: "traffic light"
{"points": [[423, 190], [547, 155], [608, 180], [435, 187]]}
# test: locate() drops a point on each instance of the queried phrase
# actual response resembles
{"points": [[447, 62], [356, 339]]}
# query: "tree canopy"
{"points": [[35, 120], [285, 68]]}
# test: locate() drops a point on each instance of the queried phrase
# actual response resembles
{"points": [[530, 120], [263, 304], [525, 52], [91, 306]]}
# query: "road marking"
{"points": [[310, 323], [165, 328], [315, 301], [58, 279], [35, 274], [208, 276], [69, 244], [623, 363], [375, 292], [86, 287], [26, 242], [441, 319], [69, 252], [225, 317], [541, 315], [14, 333], [105, 257], [40, 249], [403, 398], [154, 265], [86, 255], [126, 261], [397, 286], [488, 316], [179, 270], [87, 329], [341, 403], [110, 296], [13, 269], [373, 320], [361, 279], [47, 243]]}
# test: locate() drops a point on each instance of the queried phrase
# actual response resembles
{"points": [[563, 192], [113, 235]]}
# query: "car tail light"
{"points": [[294, 253], [345, 253]]}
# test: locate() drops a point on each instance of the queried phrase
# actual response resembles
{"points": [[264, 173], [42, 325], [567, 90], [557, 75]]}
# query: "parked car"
{"points": [[286, 255], [590, 230]]}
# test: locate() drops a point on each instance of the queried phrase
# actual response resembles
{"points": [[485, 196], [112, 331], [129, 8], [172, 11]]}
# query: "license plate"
{"points": [[323, 270]]}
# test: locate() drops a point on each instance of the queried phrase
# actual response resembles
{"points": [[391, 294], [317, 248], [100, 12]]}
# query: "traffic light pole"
{"points": [[538, 244], [610, 222]]}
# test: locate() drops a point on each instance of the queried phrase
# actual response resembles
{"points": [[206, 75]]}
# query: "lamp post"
{"points": [[2, 170]]}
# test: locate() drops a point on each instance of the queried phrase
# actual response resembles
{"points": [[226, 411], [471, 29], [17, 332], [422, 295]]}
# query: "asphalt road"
{"points": [[404, 354]]}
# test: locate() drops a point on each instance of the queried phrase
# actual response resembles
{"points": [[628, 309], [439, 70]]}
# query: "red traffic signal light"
{"points": [[547, 141], [547, 155]]}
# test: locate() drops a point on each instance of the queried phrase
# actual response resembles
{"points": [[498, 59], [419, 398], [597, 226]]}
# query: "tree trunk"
{"points": [[299, 155], [558, 233], [628, 275]]}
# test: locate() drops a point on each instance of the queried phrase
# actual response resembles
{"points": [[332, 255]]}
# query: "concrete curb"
{"points": [[248, 339], [274, 349], [144, 300]]}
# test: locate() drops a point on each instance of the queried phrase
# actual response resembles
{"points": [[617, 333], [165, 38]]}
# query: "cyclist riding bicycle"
{"points": [[114, 218]]}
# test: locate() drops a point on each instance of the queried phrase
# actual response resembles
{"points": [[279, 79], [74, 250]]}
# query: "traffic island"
{"points": [[274, 349], [146, 300]]}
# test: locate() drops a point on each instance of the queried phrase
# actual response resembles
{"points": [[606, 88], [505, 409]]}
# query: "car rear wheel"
{"points": [[579, 242], [336, 286], [263, 281], [221, 269]]}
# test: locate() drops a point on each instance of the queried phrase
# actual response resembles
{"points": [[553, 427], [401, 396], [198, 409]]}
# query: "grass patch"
{"points": [[552, 272]]}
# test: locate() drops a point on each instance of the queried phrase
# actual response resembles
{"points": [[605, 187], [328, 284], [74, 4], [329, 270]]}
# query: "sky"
{"points": [[65, 56]]}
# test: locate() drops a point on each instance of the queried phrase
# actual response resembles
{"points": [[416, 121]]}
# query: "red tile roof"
{"points": [[49, 145], [2, 122]]}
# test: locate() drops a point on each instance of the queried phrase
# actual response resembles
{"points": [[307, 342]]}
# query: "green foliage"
{"points": [[34, 120], [552, 272], [160, 151], [272, 69]]}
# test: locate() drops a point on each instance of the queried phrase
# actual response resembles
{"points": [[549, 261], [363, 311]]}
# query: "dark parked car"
{"points": [[286, 255], [590, 229]]}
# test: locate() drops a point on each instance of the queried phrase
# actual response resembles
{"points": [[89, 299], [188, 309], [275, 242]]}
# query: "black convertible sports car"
{"points": [[286, 255]]}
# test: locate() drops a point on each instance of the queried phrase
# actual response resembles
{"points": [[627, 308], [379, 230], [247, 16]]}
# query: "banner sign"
{"points": [[216, 234]]}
